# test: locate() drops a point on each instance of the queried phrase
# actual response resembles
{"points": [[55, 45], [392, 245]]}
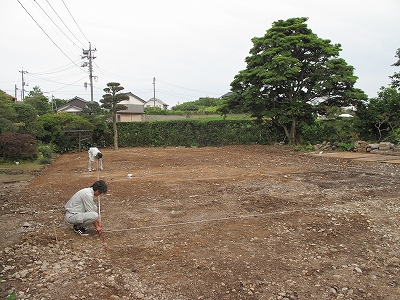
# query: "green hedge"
{"points": [[195, 133]]}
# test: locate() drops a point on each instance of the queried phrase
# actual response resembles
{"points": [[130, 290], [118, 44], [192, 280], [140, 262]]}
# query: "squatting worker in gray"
{"points": [[81, 211]]}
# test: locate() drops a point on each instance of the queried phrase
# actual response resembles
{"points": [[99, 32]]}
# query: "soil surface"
{"points": [[240, 222]]}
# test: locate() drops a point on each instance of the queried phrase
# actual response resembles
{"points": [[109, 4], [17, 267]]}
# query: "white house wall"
{"points": [[132, 100]]}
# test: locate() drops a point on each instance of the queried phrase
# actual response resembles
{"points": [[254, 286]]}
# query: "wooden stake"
{"points": [[55, 233]]}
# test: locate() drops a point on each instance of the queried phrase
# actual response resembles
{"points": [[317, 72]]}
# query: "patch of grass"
{"points": [[12, 296], [21, 166]]}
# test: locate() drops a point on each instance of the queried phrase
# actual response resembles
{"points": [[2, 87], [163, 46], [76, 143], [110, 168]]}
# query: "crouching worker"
{"points": [[81, 211]]}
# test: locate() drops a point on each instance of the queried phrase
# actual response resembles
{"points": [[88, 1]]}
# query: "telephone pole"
{"points": [[15, 92], [23, 84], [88, 54], [154, 91]]}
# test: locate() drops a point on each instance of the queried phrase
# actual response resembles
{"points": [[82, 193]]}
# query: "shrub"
{"points": [[345, 146], [44, 160], [301, 147], [17, 146], [46, 150]]}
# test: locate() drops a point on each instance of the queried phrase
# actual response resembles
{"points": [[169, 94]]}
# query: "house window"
{"points": [[118, 118]]}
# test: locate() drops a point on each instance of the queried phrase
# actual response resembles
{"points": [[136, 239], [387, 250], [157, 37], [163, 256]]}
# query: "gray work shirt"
{"points": [[82, 201]]}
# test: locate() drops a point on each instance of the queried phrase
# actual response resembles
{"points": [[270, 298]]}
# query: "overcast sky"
{"points": [[193, 48]]}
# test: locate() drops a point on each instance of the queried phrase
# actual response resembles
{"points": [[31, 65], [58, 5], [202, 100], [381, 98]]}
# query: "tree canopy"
{"points": [[380, 117], [291, 73], [396, 76], [38, 100], [7, 113], [111, 101]]}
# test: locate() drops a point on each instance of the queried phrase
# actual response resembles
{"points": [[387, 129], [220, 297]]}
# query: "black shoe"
{"points": [[80, 230]]}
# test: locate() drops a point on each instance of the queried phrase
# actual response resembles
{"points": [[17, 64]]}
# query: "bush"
{"points": [[17, 146], [46, 150], [345, 147], [46, 153], [44, 160], [306, 148]]}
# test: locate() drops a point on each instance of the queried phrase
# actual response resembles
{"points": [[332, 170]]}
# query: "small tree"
{"points": [[379, 118], [111, 101], [38, 101], [7, 113], [26, 118], [97, 116]]}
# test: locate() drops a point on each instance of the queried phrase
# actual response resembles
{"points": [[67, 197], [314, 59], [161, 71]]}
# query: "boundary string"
{"points": [[215, 219]]}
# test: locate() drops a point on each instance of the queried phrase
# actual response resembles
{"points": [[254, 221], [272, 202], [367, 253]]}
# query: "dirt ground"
{"points": [[240, 222]]}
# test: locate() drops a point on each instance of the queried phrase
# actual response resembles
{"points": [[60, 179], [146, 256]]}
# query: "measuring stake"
{"points": [[98, 178], [98, 199]]}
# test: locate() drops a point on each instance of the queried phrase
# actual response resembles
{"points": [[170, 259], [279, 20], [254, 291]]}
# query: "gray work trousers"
{"points": [[84, 219]]}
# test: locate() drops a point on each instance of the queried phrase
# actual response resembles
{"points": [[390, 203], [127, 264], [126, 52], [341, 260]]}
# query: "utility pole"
{"points": [[23, 84], [154, 91], [53, 103], [87, 54], [15, 92]]}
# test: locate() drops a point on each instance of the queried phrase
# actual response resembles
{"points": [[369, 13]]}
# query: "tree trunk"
{"points": [[290, 134], [115, 131], [292, 138], [286, 132]]}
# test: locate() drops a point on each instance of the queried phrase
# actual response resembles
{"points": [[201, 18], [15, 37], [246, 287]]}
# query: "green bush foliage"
{"points": [[333, 130], [196, 133], [18, 146], [345, 146], [62, 130], [47, 151], [44, 160]]}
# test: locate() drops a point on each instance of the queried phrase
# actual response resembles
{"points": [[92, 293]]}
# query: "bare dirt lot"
{"points": [[240, 222]]}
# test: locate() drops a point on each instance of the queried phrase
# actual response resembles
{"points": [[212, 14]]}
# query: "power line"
{"points": [[51, 19], [64, 23], [46, 34], [75, 21], [56, 70]]}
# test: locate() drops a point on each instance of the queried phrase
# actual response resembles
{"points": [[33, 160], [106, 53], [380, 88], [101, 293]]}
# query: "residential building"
{"points": [[74, 106], [155, 102], [134, 111]]}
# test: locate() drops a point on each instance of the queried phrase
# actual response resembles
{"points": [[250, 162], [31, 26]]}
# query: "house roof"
{"points": [[227, 94], [157, 100], [70, 108], [11, 97], [74, 102]]}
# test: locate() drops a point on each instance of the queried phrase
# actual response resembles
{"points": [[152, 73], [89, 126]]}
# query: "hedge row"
{"points": [[195, 133]]}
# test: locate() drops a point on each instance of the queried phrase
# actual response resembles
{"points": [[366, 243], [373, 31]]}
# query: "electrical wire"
{"points": [[51, 19], [65, 24], [46, 33], [56, 70], [75, 21]]}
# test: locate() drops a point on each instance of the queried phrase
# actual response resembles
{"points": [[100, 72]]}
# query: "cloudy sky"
{"points": [[193, 48]]}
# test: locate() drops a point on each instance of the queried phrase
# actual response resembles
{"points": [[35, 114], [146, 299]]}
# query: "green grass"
{"points": [[22, 166]]}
